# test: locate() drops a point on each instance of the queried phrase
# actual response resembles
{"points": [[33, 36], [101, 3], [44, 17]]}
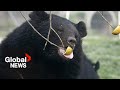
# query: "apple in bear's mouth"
{"points": [[66, 53]]}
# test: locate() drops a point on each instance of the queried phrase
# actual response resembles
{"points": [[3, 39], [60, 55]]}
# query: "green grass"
{"points": [[106, 50]]}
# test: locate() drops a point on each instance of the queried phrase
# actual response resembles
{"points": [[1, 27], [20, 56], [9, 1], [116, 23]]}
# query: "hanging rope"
{"points": [[105, 19], [50, 28], [38, 32]]}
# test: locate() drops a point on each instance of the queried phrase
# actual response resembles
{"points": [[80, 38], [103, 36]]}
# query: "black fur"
{"points": [[47, 64]]}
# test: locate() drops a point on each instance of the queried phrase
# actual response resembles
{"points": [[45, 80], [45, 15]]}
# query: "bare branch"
{"points": [[37, 31]]}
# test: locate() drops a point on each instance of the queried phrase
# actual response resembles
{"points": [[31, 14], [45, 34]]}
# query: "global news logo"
{"points": [[18, 62]]}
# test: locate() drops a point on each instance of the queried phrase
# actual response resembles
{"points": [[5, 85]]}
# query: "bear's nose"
{"points": [[72, 41]]}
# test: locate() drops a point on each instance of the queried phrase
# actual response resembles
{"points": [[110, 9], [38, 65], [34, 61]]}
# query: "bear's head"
{"points": [[69, 32]]}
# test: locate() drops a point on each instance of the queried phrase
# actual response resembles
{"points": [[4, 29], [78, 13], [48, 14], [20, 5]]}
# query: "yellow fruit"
{"points": [[116, 31], [68, 51]]}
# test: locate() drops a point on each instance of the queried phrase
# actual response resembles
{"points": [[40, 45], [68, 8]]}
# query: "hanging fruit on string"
{"points": [[116, 31], [68, 51]]}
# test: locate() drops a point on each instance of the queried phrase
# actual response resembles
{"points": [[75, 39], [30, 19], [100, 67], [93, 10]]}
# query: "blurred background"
{"points": [[99, 45]]}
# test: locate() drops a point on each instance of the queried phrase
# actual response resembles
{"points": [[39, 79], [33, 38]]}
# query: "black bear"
{"points": [[50, 63]]}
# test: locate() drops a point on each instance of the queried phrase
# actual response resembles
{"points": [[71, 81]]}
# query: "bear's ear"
{"points": [[39, 16], [81, 27]]}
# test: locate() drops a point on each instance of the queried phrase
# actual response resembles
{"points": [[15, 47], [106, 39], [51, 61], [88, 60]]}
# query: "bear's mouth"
{"points": [[62, 53]]}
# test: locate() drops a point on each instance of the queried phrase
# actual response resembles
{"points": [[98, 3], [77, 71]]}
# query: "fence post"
{"points": [[67, 14]]}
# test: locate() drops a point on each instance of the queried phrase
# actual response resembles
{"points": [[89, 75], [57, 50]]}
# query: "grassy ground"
{"points": [[106, 49]]}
